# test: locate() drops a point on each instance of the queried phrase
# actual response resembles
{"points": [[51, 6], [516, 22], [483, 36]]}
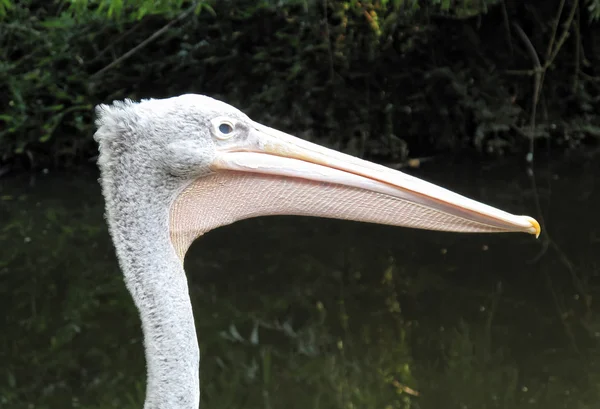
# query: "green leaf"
{"points": [[53, 23], [206, 7], [54, 108]]}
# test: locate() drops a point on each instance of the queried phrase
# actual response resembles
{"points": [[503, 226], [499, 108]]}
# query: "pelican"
{"points": [[173, 169]]}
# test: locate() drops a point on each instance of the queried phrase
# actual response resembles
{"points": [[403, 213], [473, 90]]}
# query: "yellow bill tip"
{"points": [[535, 226]]}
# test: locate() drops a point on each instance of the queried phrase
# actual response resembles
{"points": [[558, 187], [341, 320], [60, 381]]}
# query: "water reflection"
{"points": [[302, 312]]}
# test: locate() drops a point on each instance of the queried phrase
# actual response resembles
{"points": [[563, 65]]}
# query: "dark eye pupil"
{"points": [[225, 128]]}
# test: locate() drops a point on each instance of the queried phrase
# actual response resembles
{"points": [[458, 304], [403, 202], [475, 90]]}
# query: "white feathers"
{"points": [[111, 118], [134, 140]]}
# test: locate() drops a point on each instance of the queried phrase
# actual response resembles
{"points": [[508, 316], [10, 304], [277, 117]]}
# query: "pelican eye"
{"points": [[222, 127], [225, 128]]}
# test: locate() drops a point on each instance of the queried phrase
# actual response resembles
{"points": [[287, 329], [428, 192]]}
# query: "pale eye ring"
{"points": [[224, 129]]}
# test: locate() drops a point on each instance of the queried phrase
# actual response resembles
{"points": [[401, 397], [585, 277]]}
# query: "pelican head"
{"points": [[173, 169], [218, 166]]}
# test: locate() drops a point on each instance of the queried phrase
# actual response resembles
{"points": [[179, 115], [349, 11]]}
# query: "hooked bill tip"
{"points": [[535, 226]]}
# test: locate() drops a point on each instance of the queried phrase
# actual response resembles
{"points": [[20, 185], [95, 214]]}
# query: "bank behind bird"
{"points": [[176, 168]]}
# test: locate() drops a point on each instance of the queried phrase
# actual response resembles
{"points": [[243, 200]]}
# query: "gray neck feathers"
{"points": [[138, 215]]}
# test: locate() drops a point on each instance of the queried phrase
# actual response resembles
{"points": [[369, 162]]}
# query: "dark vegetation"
{"points": [[376, 78], [325, 314], [319, 314]]}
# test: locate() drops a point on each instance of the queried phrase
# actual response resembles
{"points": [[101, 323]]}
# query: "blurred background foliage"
{"points": [[377, 78], [326, 314], [385, 79]]}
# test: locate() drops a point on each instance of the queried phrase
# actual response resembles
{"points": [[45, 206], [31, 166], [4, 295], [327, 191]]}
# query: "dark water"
{"points": [[309, 313]]}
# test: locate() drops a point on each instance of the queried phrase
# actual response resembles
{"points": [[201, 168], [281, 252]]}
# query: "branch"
{"points": [[578, 47], [118, 40], [539, 72], [328, 39], [564, 35], [507, 28], [554, 29], [145, 42], [537, 85]]}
